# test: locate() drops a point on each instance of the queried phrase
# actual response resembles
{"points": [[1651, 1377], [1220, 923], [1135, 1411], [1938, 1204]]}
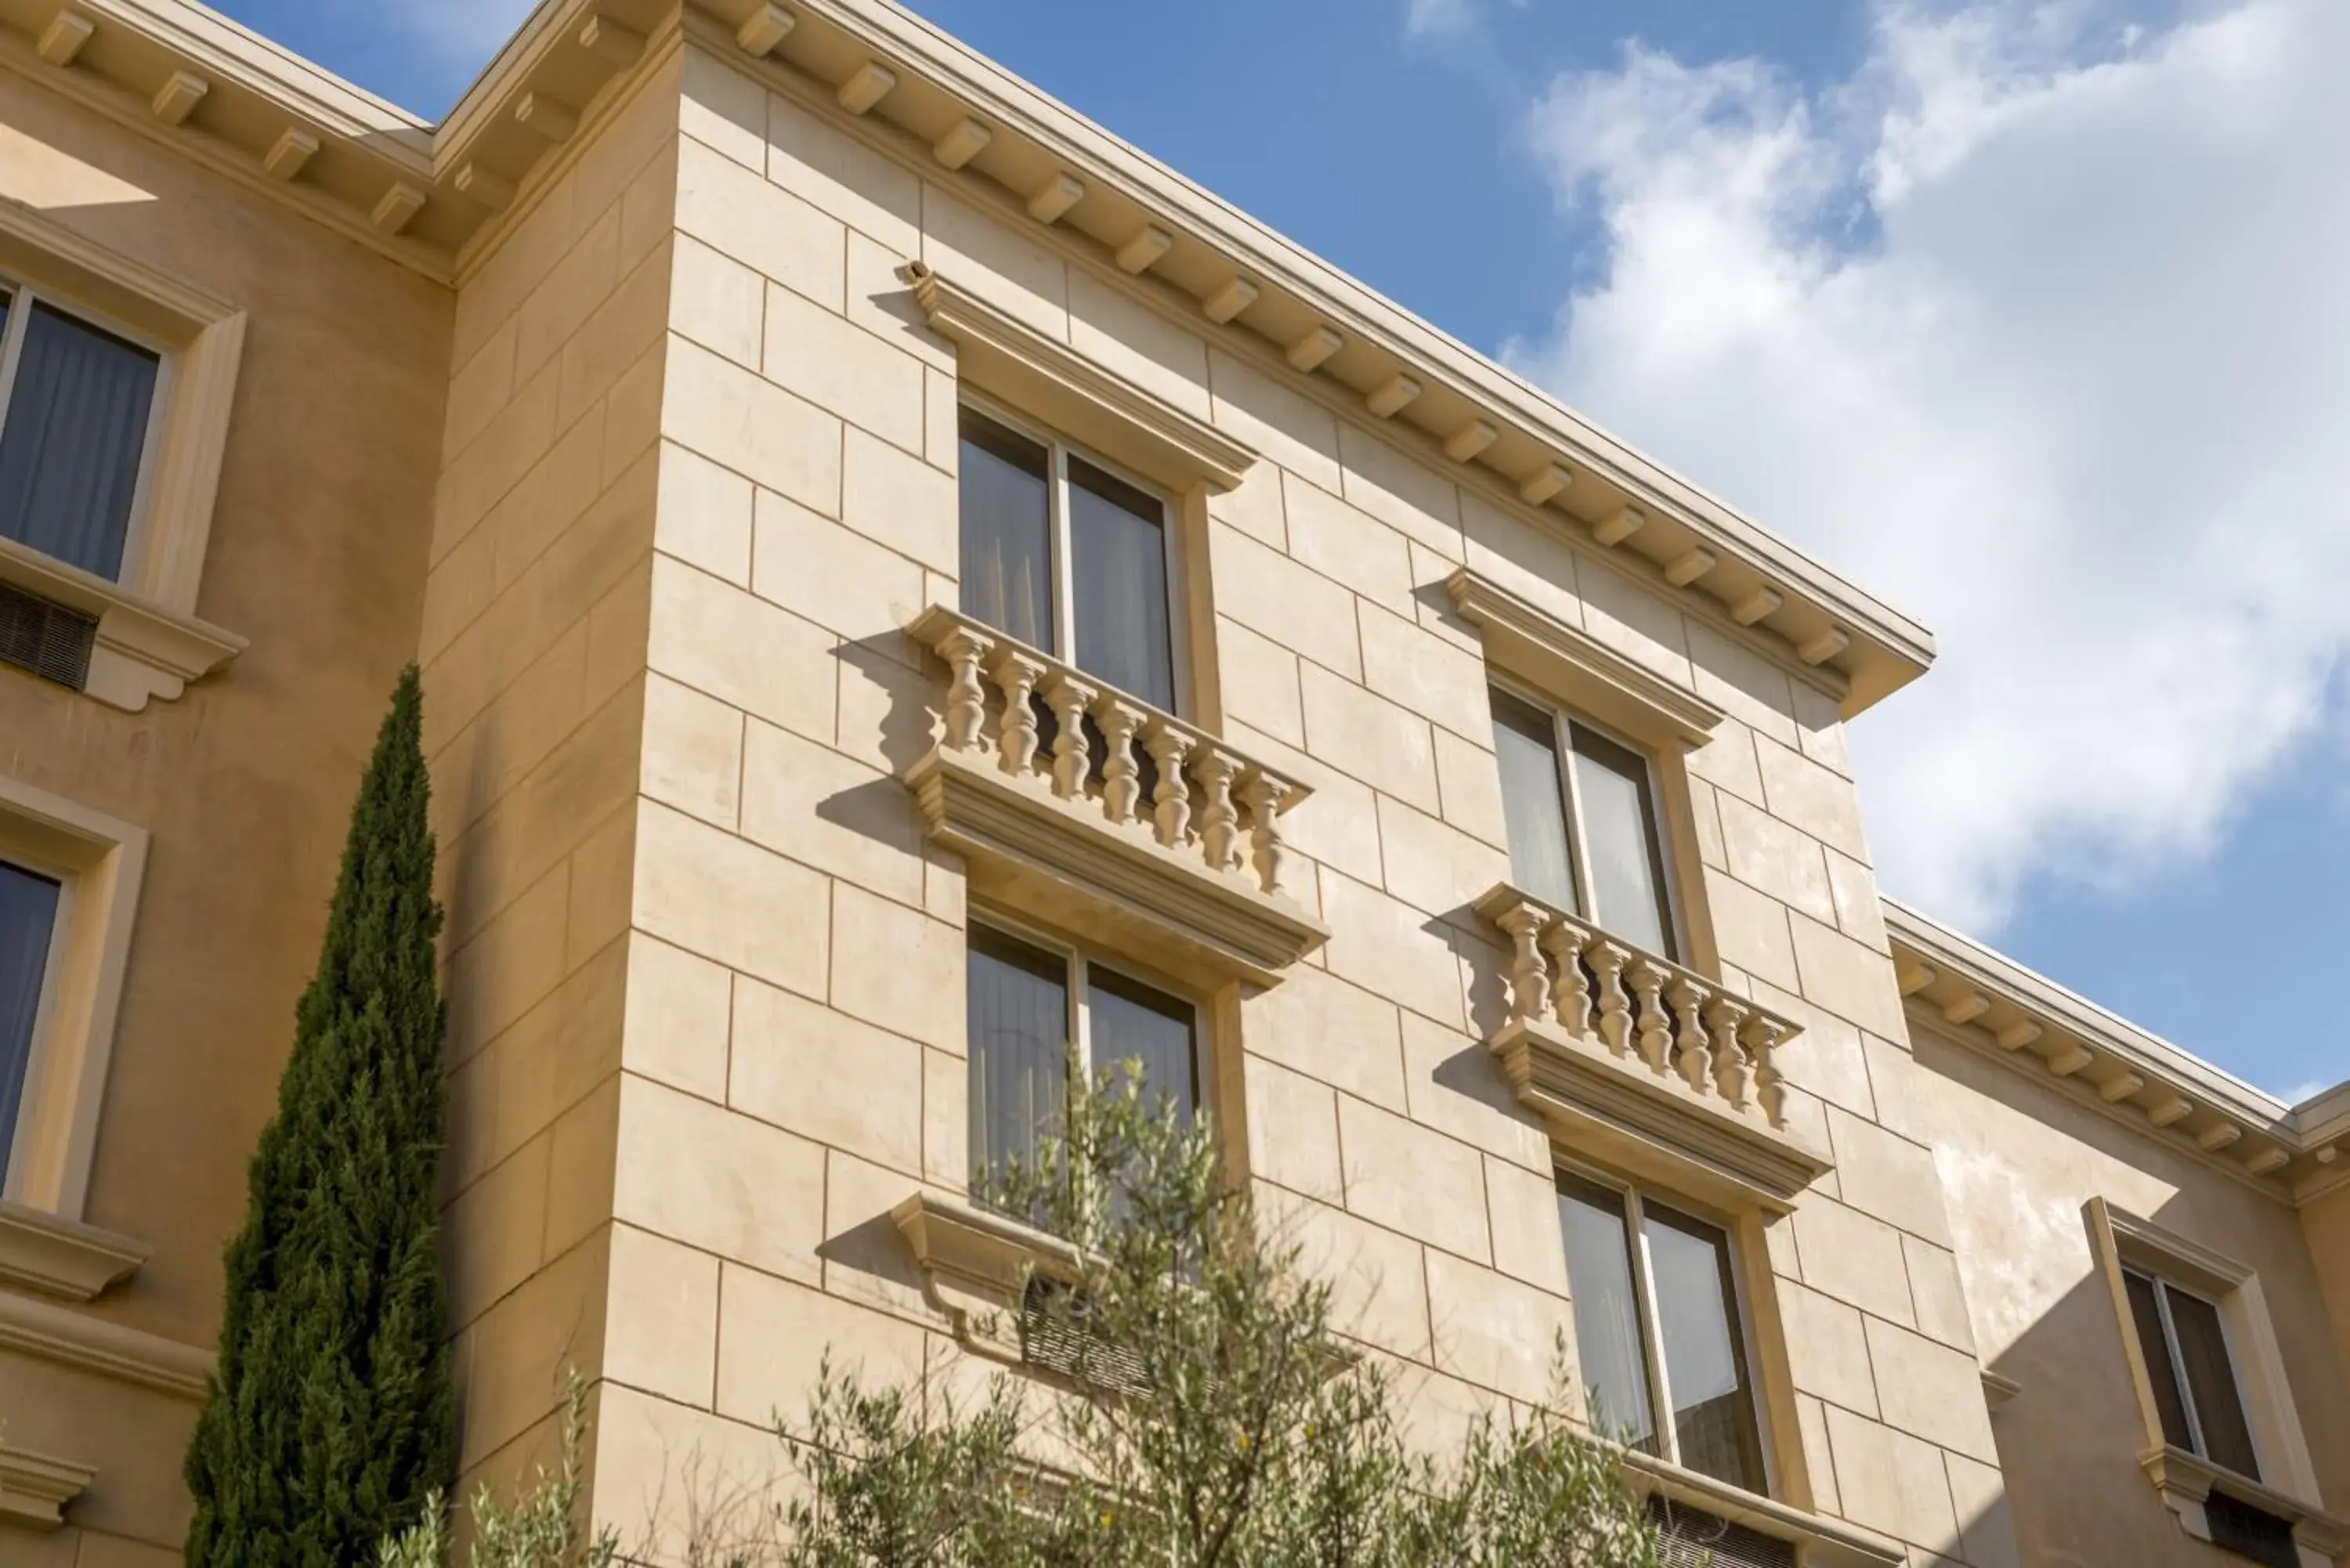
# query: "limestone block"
{"points": [[1727, 761], [719, 1180], [882, 302], [526, 1345], [717, 301], [1846, 978], [704, 516], [1369, 738], [1637, 621], [1347, 546], [478, 389], [1705, 817], [1849, 1256], [581, 1168], [946, 1120], [1889, 1177], [1535, 565], [1381, 943], [679, 1014], [827, 811], [1749, 686], [776, 235], [840, 175], [1858, 912], [1827, 1058], [1435, 868], [1812, 798], [843, 368], [563, 299], [889, 705], [865, 1255], [741, 649], [1771, 857], [495, 1228], [942, 433], [516, 437], [632, 319], [693, 751], [1986, 1526], [1339, 825], [1257, 680], [1827, 1352], [1408, 1178], [774, 1336], [1821, 727], [1379, 1290], [620, 633], [1331, 1031], [1522, 1208], [822, 1074], [1401, 491], [737, 418], [654, 1457], [732, 901], [456, 591], [1406, 663], [1493, 1330], [897, 499], [1293, 1131], [1812, 1428], [996, 261], [1889, 1481], [1109, 328], [660, 1319], [1451, 1083], [1290, 429], [603, 891], [529, 518], [1254, 508], [1906, 1096], [1931, 1391], [722, 108], [1470, 782], [505, 970], [895, 967], [1749, 930], [832, 576], [530, 250], [1269, 593]]}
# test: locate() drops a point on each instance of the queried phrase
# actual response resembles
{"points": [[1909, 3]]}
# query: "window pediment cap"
{"points": [[62, 1257], [1821, 1542], [1578, 666], [144, 651], [1003, 355]]}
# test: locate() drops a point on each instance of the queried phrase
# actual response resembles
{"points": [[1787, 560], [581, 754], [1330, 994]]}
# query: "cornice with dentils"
{"points": [[438, 198]]}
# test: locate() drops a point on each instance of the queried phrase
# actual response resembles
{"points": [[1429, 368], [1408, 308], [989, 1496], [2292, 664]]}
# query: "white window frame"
{"points": [[16, 1173], [22, 295], [1563, 718], [1652, 1343], [1059, 449], [2163, 1287]]}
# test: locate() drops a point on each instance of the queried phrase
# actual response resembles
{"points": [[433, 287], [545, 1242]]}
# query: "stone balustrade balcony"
{"points": [[1648, 1063], [1092, 809]]}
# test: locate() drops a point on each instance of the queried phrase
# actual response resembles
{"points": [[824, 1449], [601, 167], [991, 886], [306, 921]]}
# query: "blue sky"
{"points": [[2023, 314]]}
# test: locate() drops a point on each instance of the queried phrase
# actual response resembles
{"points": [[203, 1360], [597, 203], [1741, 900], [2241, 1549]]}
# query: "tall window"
{"points": [[2186, 1351], [28, 919], [73, 436], [1581, 810], [1026, 1002], [1066, 557], [1657, 1329]]}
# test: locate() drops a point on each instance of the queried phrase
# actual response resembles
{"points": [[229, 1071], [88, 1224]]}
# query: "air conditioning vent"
{"points": [[1054, 1334], [1694, 1538], [2249, 1532], [48, 640]]}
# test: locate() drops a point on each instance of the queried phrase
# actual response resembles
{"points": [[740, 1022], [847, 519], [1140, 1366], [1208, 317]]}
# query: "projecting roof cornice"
{"points": [[1964, 991], [435, 197]]}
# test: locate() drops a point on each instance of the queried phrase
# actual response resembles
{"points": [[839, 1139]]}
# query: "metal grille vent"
{"points": [[48, 640], [1696, 1538], [2249, 1532], [1054, 1335]]}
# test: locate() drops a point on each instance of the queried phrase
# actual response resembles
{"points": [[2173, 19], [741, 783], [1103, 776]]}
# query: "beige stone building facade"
{"points": [[903, 581]]}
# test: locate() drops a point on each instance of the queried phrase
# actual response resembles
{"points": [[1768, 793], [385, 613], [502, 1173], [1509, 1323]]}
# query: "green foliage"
{"points": [[541, 1531], [328, 1421]]}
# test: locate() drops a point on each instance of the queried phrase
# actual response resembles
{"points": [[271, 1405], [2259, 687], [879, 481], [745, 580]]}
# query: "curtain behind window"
{"points": [[2219, 1408], [1705, 1361], [1117, 561], [1017, 1012], [29, 915], [1614, 1363], [1619, 830], [69, 452], [1005, 492], [2146, 1316], [1127, 1020], [1534, 802]]}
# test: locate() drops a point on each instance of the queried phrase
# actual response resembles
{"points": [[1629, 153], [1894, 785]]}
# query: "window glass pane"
{"points": [[1007, 531], [2219, 1408], [1615, 1362], [1017, 1013], [1533, 807], [1127, 1021], [70, 453], [1705, 1359], [29, 915], [1117, 564], [1619, 830], [2156, 1350]]}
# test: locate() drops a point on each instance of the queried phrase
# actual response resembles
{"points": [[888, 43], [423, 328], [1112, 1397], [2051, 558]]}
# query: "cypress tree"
{"points": [[329, 1421]]}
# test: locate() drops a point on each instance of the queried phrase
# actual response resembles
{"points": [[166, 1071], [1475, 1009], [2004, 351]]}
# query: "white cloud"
{"points": [[1422, 17], [2040, 332]]}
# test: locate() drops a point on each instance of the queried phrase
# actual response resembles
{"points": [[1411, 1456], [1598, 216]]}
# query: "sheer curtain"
{"points": [[1533, 804], [69, 451], [1117, 561], [2146, 1315], [1615, 1363], [1705, 1362], [2219, 1406], [1007, 531], [1127, 1021], [1619, 830], [29, 915], [1017, 1013]]}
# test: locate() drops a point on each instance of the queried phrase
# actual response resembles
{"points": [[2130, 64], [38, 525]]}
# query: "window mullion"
{"points": [[1652, 1337], [2178, 1366], [1064, 612]]}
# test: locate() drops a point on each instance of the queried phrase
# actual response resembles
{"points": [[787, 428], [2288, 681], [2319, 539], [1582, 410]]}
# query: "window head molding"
{"points": [[1005, 357], [1570, 663]]}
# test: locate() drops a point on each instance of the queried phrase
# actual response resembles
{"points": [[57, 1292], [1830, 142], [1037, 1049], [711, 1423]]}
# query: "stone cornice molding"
{"points": [[37, 1489], [143, 651], [1585, 672], [64, 1258], [1968, 992], [102, 1347]]}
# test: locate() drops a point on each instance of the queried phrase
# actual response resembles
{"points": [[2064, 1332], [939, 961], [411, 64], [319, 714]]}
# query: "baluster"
{"points": [[1529, 977], [1121, 776], [1266, 797], [1566, 940], [1069, 698], [1168, 746], [1761, 1035], [1607, 962], [1733, 1069], [966, 707], [1695, 1056], [1218, 823], [1656, 1040], [1016, 675]]}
